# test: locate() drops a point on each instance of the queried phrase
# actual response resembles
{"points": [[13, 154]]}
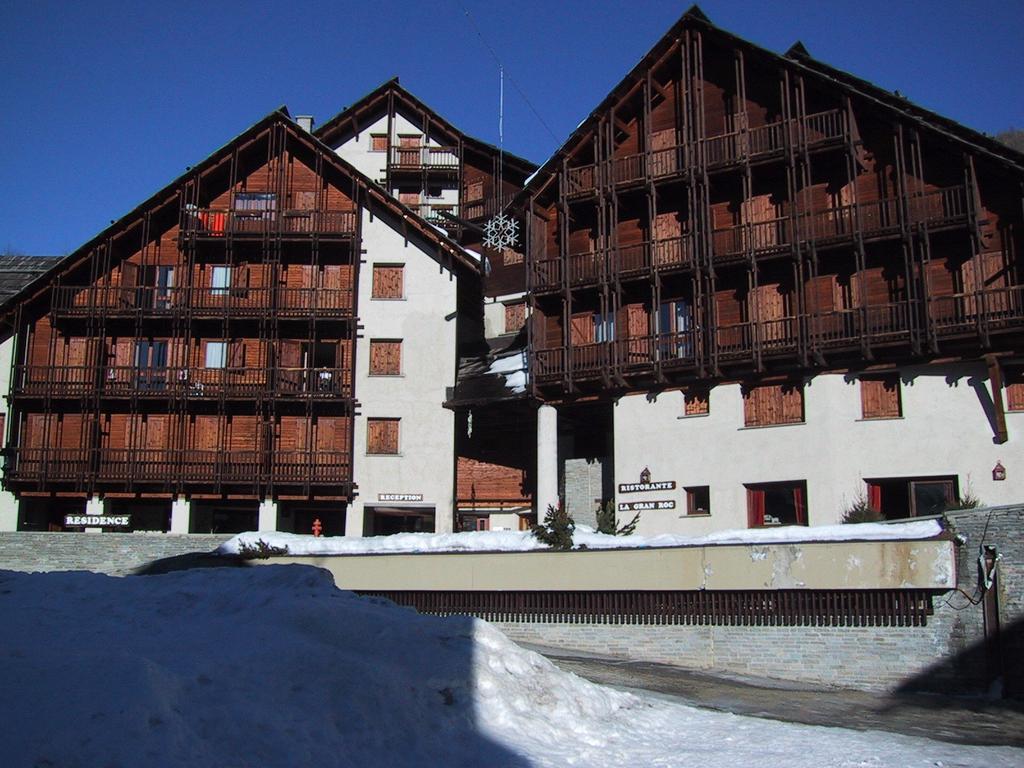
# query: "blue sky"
{"points": [[106, 102]]}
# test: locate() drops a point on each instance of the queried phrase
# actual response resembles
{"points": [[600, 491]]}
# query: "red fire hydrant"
{"points": [[317, 527]]}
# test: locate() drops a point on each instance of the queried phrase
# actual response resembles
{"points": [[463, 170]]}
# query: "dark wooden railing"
{"points": [[991, 309], [877, 323], [311, 467], [114, 301], [779, 608], [218, 222], [484, 208], [425, 157], [755, 236]]}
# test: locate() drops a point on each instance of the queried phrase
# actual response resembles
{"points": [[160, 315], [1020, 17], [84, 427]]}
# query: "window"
{"points": [[388, 281], [382, 436], [698, 500], [697, 403], [880, 397], [899, 497], [604, 326], [773, 404], [385, 357], [220, 280], [515, 316], [675, 326], [1014, 383], [262, 203], [777, 504], [151, 364], [378, 142], [216, 354], [474, 191]]}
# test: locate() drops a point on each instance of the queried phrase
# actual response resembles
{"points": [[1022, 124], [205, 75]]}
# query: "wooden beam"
{"points": [[995, 380]]}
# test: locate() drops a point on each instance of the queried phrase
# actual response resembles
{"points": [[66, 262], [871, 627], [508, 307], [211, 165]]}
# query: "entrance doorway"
{"points": [[383, 521]]}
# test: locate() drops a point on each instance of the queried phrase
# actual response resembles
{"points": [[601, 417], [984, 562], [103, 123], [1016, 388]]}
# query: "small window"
{"points": [[773, 404], [880, 397], [220, 280], [604, 326], [697, 403], [256, 201], [515, 316], [216, 354], [777, 504], [411, 199], [898, 497], [474, 191], [382, 436], [385, 357], [1014, 383], [388, 281], [378, 142], [698, 500]]}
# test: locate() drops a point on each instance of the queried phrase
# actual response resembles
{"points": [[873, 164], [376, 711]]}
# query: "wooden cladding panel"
{"points": [[515, 316], [1013, 378], [489, 482], [382, 436], [581, 328], [880, 397], [388, 281], [773, 404], [385, 357]]}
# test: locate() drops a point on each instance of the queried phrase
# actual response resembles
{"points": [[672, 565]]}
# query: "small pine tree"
{"points": [[607, 522], [557, 529], [860, 511]]}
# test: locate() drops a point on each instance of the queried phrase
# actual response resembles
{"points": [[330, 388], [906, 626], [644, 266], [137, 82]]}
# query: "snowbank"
{"points": [[513, 369], [274, 667], [521, 541]]}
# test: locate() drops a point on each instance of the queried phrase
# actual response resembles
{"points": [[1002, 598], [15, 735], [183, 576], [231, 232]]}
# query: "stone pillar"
{"points": [[95, 505], [547, 459], [268, 516], [181, 509]]}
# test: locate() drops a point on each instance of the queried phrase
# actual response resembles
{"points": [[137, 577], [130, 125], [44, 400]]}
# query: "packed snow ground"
{"points": [[275, 667], [521, 541]]}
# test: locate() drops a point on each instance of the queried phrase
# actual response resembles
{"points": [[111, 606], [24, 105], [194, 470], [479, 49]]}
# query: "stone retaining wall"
{"points": [[117, 554]]}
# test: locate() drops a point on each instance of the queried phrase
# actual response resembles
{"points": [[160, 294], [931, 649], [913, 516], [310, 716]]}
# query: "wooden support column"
{"points": [[995, 380]]}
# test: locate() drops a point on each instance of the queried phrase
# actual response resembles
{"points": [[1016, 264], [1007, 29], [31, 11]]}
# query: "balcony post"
{"points": [[547, 459], [180, 514], [267, 515]]}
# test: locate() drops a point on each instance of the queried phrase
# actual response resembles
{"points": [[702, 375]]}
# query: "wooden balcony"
{"points": [[425, 158], [640, 354], [169, 467], [591, 267], [778, 336], [984, 312], [221, 222], [875, 324], [146, 302], [175, 382], [756, 237], [484, 208]]}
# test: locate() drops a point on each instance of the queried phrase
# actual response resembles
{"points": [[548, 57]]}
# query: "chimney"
{"points": [[305, 122]]}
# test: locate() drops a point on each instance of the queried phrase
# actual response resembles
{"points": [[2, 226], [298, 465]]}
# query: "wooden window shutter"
{"points": [[773, 404], [388, 282], [515, 316], [411, 199], [385, 358], [382, 436], [1013, 379], [379, 142], [236, 354], [792, 404], [755, 507], [697, 403], [880, 397], [474, 191]]}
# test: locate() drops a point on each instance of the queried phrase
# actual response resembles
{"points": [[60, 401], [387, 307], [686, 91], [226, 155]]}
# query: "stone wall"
{"points": [[584, 489], [117, 554]]}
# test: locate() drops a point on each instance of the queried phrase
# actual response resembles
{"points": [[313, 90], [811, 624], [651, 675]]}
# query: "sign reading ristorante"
{"points": [[97, 521], [663, 485]]}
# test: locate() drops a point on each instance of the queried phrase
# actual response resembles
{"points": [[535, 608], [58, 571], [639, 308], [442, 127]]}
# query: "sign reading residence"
{"points": [[643, 506], [97, 521], [399, 497]]}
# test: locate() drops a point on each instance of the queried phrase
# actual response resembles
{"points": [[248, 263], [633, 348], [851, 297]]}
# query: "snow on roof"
{"points": [[522, 541], [274, 666], [513, 369]]}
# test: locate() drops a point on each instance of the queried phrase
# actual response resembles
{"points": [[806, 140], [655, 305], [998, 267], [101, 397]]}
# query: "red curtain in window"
{"points": [[875, 496], [755, 508], [798, 505]]}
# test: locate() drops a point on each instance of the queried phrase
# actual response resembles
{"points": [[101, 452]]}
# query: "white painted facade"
{"points": [[424, 321], [8, 503], [494, 313], [944, 430]]}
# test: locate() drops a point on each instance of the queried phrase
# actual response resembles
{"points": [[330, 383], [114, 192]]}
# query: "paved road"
{"points": [[960, 720]]}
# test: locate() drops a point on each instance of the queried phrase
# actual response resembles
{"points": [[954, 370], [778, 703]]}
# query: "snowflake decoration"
{"points": [[501, 232]]}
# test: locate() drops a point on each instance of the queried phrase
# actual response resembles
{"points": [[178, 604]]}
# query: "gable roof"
{"points": [[796, 57], [351, 117], [18, 271], [373, 197]]}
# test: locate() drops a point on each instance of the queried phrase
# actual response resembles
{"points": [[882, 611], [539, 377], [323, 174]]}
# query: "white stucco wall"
{"points": [[944, 431], [8, 504], [424, 321], [494, 313], [358, 150]]}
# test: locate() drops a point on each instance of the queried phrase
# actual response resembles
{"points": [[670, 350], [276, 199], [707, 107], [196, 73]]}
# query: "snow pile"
{"points": [[274, 667], [521, 541], [513, 368]]}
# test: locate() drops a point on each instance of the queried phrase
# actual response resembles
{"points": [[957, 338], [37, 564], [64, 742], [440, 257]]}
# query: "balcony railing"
{"points": [[991, 309], [938, 208], [485, 208], [117, 301], [218, 222], [160, 466], [588, 267], [754, 237], [425, 158], [669, 350], [877, 323], [177, 382]]}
